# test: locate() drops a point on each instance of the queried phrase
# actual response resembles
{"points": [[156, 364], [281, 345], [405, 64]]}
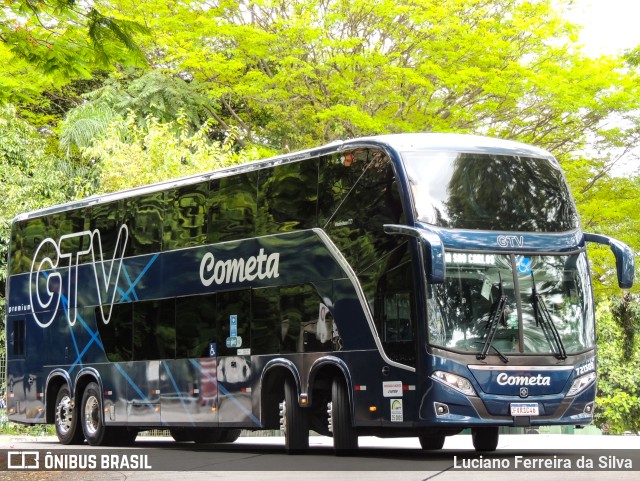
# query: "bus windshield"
{"points": [[539, 304], [490, 192]]}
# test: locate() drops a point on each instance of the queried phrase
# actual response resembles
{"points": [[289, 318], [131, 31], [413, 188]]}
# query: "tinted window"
{"points": [[287, 197], [266, 320], [490, 192], [107, 218], [144, 217], [186, 219], [195, 326], [21, 250], [18, 337], [117, 336], [307, 322], [358, 195], [233, 315], [291, 319], [154, 330], [395, 311], [232, 212]]}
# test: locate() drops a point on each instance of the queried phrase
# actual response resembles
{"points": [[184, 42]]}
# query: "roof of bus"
{"points": [[398, 142]]}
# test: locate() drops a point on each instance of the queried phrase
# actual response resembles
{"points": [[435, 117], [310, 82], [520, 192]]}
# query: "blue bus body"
{"points": [[351, 289]]}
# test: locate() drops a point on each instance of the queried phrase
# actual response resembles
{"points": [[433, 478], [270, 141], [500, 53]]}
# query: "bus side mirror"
{"points": [[623, 254], [433, 247]]}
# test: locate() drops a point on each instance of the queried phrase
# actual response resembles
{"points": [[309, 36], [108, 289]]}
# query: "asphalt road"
{"points": [[562, 457]]}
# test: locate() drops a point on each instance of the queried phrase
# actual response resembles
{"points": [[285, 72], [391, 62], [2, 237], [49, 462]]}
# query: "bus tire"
{"points": [[345, 439], [68, 429], [295, 421], [431, 443], [485, 439], [229, 435], [95, 432]]}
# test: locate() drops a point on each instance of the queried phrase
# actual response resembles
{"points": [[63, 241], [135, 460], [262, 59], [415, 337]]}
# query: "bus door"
{"points": [[190, 382], [233, 313]]}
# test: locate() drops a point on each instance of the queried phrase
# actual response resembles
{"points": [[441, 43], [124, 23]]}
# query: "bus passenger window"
{"points": [[265, 321], [154, 330], [196, 328], [185, 224], [117, 336], [287, 197], [17, 337], [232, 208]]}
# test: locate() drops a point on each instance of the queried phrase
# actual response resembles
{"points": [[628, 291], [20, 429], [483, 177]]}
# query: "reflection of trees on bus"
{"points": [[494, 192]]}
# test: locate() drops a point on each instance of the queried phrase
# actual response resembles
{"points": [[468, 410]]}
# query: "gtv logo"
{"points": [[66, 254], [510, 241]]}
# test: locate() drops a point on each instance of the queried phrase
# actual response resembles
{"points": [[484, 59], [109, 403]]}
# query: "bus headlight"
{"points": [[454, 381], [581, 383]]}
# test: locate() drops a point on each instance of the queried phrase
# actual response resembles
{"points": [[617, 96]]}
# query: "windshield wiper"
{"points": [[496, 314], [545, 321]]}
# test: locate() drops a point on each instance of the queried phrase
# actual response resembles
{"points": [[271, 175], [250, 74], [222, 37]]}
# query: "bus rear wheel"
{"points": [[485, 439], [96, 433], [345, 438], [66, 418], [294, 420]]}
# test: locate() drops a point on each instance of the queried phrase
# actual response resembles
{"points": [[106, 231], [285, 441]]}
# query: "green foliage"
{"points": [[67, 37], [159, 151], [618, 402], [301, 73], [7, 427], [31, 179], [607, 205], [626, 312], [150, 96]]}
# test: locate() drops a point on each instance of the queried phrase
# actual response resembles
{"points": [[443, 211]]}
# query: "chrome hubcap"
{"points": [[64, 415], [92, 415], [283, 417]]}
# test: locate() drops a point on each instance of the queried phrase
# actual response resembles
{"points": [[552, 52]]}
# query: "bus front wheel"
{"points": [[66, 418], [431, 443], [294, 420], [345, 438], [485, 439]]}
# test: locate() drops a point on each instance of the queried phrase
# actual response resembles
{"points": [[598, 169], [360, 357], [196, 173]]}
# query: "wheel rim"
{"points": [[92, 415], [64, 415], [283, 417]]}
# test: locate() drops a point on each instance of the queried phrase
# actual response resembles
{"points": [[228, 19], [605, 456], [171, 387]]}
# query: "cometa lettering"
{"points": [[505, 380], [262, 266]]}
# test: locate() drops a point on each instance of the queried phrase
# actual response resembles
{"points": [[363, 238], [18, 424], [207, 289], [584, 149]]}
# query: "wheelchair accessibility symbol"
{"points": [[523, 264]]}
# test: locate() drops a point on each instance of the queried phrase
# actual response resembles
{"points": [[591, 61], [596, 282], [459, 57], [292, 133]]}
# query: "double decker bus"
{"points": [[401, 285]]}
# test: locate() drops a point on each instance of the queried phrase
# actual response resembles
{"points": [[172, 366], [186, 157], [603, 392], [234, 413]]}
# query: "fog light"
{"points": [[441, 409], [588, 408]]}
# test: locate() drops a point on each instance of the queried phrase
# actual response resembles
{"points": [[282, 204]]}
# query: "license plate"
{"points": [[524, 409]]}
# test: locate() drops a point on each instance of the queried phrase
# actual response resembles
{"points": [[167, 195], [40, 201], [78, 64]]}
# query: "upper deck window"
{"points": [[490, 192]]}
